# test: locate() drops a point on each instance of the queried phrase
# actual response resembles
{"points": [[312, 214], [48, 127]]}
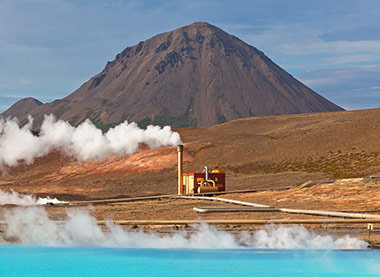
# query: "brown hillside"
{"points": [[197, 75], [255, 152], [22, 108]]}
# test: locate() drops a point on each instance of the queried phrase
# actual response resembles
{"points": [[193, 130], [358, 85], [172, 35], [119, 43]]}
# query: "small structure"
{"points": [[204, 182], [190, 183]]}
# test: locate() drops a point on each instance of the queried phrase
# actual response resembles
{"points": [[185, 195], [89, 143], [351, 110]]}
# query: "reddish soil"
{"points": [[255, 153]]}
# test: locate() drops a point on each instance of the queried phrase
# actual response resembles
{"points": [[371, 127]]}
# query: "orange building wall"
{"points": [[190, 181]]}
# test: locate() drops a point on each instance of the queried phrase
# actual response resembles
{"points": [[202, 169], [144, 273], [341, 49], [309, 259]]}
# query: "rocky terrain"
{"points": [[258, 152], [319, 161], [22, 108], [194, 76]]}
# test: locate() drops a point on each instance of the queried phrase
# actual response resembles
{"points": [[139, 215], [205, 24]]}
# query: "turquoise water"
{"points": [[50, 261]]}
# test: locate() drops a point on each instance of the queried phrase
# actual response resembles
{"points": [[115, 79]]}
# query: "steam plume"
{"points": [[14, 198], [84, 142], [32, 226]]}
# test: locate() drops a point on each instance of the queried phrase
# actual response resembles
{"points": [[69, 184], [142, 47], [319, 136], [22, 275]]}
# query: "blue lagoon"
{"points": [[16, 260]]}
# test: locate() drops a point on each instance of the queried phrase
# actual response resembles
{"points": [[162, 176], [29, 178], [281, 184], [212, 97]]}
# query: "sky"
{"points": [[49, 48]]}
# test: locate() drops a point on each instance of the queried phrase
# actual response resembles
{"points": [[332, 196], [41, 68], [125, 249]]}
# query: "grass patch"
{"points": [[61, 111], [188, 119], [74, 120]]}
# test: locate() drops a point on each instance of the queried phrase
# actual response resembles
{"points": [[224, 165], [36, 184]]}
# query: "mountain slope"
{"points": [[254, 152], [22, 107], [197, 75]]}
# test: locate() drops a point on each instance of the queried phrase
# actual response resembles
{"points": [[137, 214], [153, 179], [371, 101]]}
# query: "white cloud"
{"points": [[354, 58], [301, 40], [368, 74], [57, 44], [351, 87]]}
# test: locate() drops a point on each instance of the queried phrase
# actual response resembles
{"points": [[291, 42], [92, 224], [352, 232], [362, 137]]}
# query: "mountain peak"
{"points": [[200, 26], [22, 107], [196, 75], [201, 23]]}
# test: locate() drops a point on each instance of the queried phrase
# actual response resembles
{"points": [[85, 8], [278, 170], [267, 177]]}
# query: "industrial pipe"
{"points": [[293, 211], [231, 221], [227, 200], [180, 169]]}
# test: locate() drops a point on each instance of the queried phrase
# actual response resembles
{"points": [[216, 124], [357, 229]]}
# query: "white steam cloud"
{"points": [[32, 226], [14, 198], [84, 142], [298, 237]]}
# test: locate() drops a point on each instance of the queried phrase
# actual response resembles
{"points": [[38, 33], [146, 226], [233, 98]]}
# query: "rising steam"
{"points": [[32, 226], [14, 198], [84, 142]]}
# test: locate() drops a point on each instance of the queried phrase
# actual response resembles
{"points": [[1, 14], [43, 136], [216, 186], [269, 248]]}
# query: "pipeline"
{"points": [[229, 221], [226, 200], [285, 210], [330, 213]]}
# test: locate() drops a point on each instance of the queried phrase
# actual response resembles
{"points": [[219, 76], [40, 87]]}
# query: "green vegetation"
{"points": [[73, 120], [23, 123], [103, 127], [89, 113], [188, 119], [61, 111], [144, 122], [96, 120]]}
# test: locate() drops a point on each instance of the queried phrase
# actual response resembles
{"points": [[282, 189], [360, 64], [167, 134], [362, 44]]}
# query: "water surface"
{"points": [[63, 261]]}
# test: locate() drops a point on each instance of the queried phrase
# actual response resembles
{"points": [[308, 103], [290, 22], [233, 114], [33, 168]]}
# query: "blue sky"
{"points": [[48, 48]]}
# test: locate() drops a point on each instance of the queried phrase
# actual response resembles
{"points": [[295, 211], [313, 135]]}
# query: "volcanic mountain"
{"points": [[197, 75]]}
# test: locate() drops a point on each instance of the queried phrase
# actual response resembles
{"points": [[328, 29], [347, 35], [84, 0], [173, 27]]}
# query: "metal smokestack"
{"points": [[180, 169], [206, 173]]}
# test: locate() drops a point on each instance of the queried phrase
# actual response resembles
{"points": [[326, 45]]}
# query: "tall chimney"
{"points": [[180, 168]]}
